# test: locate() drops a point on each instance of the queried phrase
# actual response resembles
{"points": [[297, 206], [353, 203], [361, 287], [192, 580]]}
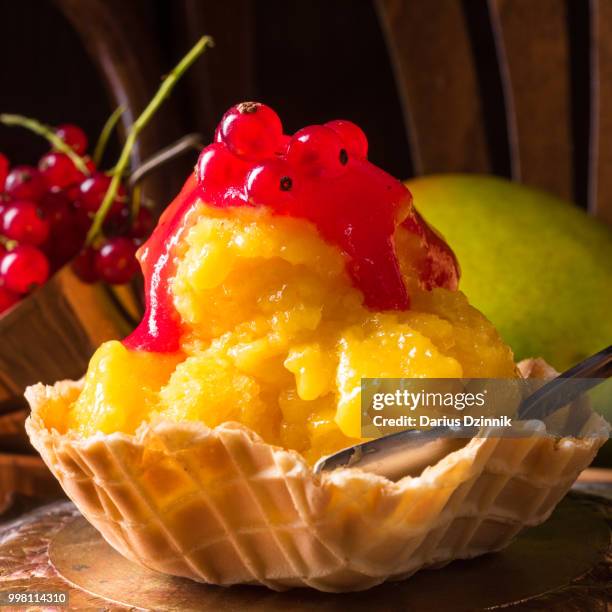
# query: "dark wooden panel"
{"points": [[600, 162], [533, 51], [225, 76], [436, 77], [120, 38]]}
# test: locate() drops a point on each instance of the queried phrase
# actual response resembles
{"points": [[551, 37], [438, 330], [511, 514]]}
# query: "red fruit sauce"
{"points": [[320, 174]]}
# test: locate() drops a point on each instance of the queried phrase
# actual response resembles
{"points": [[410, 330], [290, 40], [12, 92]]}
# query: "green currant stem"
{"points": [[136, 202], [162, 93], [105, 134], [46, 132]]}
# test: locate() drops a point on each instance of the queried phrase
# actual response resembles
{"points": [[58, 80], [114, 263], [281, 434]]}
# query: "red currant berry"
{"points": [[7, 299], [116, 224], [217, 167], [73, 192], [352, 136], [4, 168], [66, 235], [271, 184], [116, 261], [92, 191], [317, 151], [25, 183], [82, 218], [284, 144], [55, 206], [61, 249], [89, 164], [23, 221], [84, 266], [142, 225], [73, 136], [24, 268], [58, 170], [251, 130]]}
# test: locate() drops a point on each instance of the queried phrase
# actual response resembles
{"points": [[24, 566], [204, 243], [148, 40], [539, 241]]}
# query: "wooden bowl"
{"points": [[52, 334], [26, 476]]}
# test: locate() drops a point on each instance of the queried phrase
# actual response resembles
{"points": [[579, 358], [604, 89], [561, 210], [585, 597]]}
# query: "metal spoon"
{"points": [[410, 452]]}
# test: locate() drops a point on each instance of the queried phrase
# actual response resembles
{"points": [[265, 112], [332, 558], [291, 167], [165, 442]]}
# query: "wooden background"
{"points": [[518, 88]]}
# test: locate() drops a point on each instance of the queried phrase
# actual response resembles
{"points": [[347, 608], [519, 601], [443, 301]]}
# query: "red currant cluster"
{"points": [[273, 168], [45, 214]]}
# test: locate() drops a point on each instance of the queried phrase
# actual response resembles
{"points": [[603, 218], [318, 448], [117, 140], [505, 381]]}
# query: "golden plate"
{"points": [[540, 561]]}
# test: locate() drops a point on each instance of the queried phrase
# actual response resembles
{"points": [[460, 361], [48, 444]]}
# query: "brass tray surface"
{"points": [[564, 564]]}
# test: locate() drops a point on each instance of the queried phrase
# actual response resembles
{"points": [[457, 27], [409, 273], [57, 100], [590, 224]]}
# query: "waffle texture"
{"points": [[223, 507]]}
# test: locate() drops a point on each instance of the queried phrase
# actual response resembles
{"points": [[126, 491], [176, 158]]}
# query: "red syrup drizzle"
{"points": [[321, 174]]}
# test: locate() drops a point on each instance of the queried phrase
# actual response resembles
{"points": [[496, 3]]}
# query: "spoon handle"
{"points": [[567, 386]]}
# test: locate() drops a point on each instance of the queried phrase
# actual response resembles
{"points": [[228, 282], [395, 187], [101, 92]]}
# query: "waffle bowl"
{"points": [[221, 506]]}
